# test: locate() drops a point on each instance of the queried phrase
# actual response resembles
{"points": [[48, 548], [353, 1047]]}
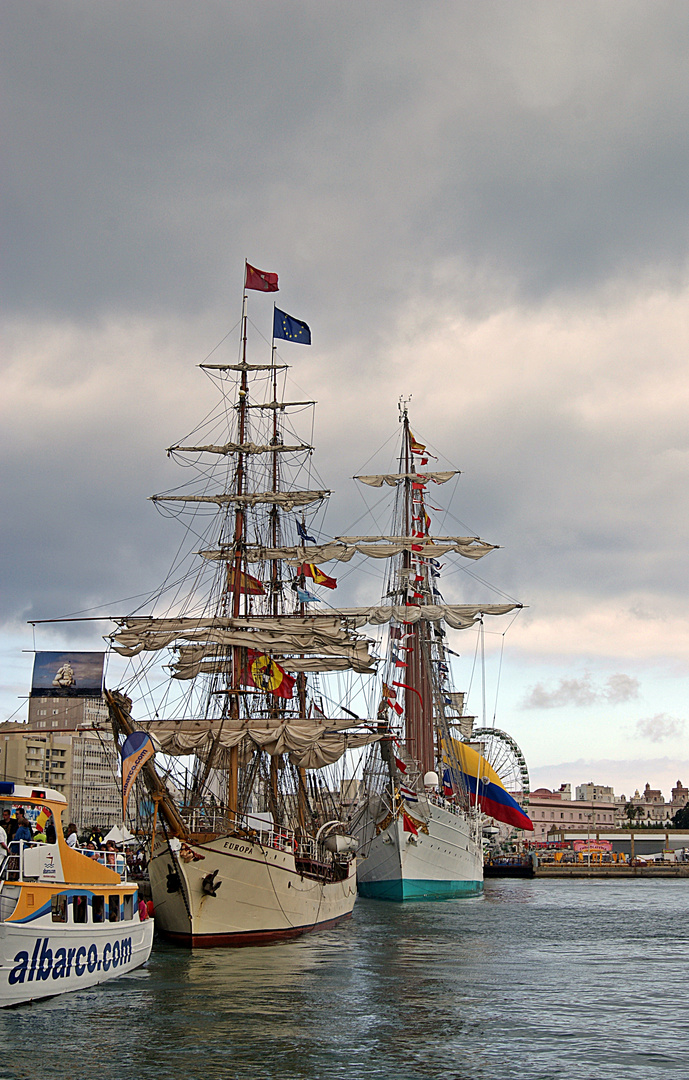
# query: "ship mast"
{"points": [[233, 771], [419, 725]]}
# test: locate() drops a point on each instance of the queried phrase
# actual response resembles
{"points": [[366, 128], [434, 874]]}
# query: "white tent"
{"points": [[120, 834]]}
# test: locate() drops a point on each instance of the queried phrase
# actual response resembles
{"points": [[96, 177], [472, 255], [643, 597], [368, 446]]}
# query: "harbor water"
{"points": [[574, 980]]}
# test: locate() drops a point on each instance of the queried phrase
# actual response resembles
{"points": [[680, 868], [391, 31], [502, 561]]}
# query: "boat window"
{"points": [[98, 909], [113, 908], [79, 909], [129, 907], [58, 908]]}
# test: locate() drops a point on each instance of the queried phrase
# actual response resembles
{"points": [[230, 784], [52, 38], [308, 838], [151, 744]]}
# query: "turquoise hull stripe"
{"points": [[419, 889]]}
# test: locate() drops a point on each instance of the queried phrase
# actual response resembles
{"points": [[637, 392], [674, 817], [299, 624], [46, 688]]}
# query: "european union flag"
{"points": [[301, 529], [284, 326]]}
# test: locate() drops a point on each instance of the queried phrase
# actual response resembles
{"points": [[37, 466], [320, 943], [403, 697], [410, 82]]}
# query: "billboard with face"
{"points": [[67, 674]]}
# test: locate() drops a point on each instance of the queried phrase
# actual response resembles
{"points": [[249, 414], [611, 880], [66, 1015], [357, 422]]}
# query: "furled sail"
{"points": [[458, 616], [311, 744], [287, 500], [392, 479], [299, 634], [242, 448], [375, 547], [310, 664], [207, 659], [244, 367], [277, 405]]}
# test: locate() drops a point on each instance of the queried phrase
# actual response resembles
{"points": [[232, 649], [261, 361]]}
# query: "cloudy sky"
{"points": [[484, 206]]}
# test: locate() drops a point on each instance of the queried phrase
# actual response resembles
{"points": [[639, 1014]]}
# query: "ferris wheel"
{"points": [[504, 755]]}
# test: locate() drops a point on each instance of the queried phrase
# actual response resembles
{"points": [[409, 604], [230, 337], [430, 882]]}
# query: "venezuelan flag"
{"points": [[485, 787]]}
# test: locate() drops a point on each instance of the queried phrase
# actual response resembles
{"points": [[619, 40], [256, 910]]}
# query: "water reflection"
{"points": [[573, 980]]}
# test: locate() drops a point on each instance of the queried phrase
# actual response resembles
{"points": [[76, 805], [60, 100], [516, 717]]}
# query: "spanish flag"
{"points": [[319, 578], [265, 674], [42, 819], [248, 585], [485, 787]]}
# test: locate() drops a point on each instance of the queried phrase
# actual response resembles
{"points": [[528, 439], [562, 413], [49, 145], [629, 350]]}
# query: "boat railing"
{"points": [[27, 860], [23, 860], [308, 849], [441, 801], [5, 865], [113, 860], [283, 839], [201, 819]]}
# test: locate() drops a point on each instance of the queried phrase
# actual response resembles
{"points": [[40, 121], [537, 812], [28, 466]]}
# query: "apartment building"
{"points": [[81, 763]]}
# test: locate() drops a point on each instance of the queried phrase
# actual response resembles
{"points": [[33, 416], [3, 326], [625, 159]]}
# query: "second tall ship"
{"points": [[423, 792]]}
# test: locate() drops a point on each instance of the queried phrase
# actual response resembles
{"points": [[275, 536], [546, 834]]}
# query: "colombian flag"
{"points": [[312, 571], [485, 787]]}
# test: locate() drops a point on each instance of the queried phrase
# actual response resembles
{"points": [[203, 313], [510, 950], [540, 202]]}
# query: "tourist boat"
{"points": [[67, 920], [254, 845], [425, 784]]}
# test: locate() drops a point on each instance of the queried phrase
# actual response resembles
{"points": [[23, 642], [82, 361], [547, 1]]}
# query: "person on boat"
{"points": [[71, 835], [9, 823], [96, 836], [23, 830], [90, 850], [50, 831], [3, 842]]}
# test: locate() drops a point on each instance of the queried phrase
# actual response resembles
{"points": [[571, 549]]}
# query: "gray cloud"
{"points": [[659, 727], [416, 174], [531, 151], [581, 692]]}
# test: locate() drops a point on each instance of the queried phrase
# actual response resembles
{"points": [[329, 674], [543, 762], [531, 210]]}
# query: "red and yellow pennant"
{"points": [[414, 446], [265, 674], [311, 570]]}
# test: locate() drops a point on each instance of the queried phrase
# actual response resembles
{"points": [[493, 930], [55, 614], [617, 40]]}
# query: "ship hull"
{"points": [[43, 959], [262, 894], [443, 863]]}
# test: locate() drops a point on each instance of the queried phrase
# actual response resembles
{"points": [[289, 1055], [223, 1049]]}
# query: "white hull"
{"points": [[263, 894], [42, 959], [445, 862]]}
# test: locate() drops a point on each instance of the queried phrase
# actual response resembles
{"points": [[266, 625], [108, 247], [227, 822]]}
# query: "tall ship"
{"points": [[426, 784], [251, 842]]}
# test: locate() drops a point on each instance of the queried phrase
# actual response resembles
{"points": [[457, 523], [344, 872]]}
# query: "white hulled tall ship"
{"points": [[253, 846], [420, 818]]}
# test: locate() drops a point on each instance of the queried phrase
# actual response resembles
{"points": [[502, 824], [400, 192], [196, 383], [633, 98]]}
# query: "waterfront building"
{"points": [[594, 793], [67, 713], [650, 808], [550, 810], [80, 763]]}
